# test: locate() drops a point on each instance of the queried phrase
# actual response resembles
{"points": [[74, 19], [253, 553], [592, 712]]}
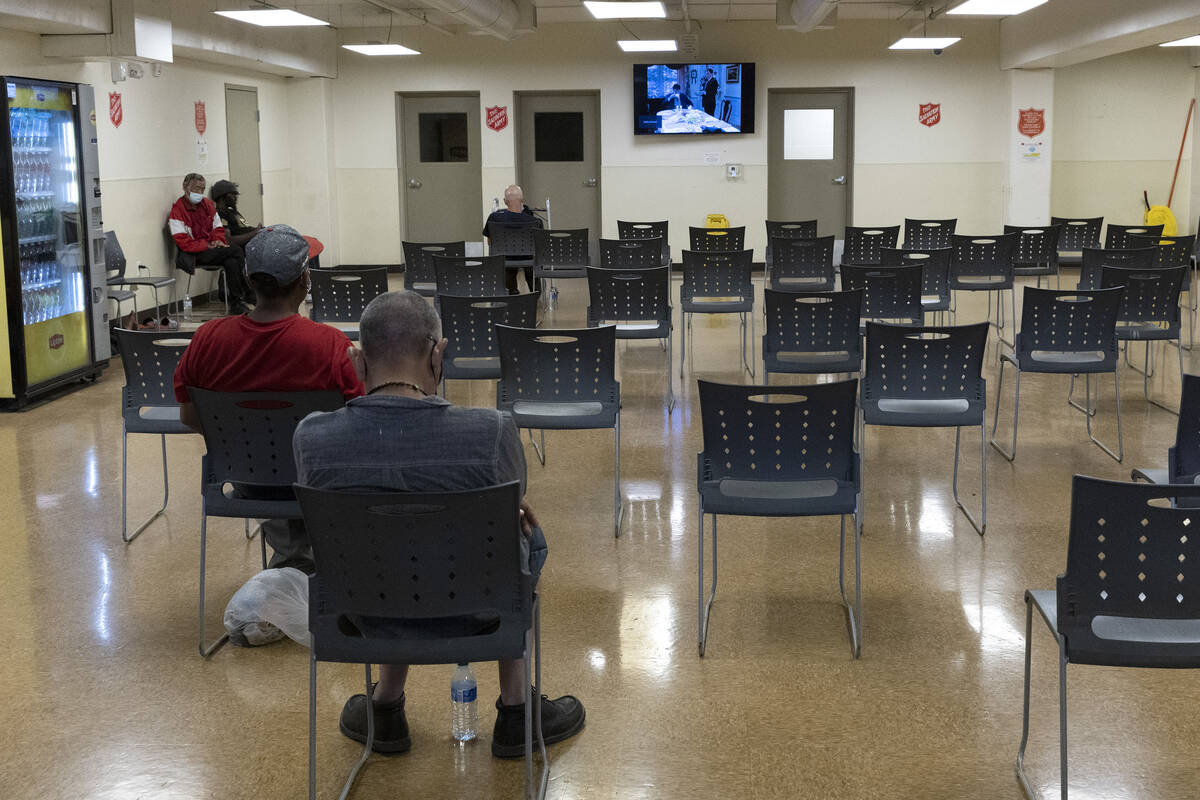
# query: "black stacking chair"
{"points": [[116, 268], [469, 325], [1095, 259], [985, 264], [638, 303], [559, 254], [1176, 251], [1036, 254], [721, 240], [1120, 237], [925, 234], [810, 470], [812, 333], [148, 403], [562, 380], [890, 294], [248, 444], [864, 246], [929, 377], [420, 274], [514, 241], [795, 229], [1125, 599], [935, 274], [631, 253], [340, 295], [647, 230], [717, 283], [1068, 332], [1077, 233], [803, 265], [1149, 312], [470, 276], [1183, 459], [463, 551]]}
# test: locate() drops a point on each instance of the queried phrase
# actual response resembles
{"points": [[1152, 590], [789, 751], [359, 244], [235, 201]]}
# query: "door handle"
{"points": [[413, 183], [840, 180], [589, 183]]}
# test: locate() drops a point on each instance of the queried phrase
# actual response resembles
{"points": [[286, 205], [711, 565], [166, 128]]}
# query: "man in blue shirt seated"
{"points": [[400, 436], [514, 214]]}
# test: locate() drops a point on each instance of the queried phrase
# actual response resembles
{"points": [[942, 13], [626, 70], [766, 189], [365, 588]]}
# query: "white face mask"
{"points": [[195, 197]]}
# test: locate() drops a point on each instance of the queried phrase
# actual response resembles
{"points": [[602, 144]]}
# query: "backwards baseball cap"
{"points": [[279, 251], [222, 188]]}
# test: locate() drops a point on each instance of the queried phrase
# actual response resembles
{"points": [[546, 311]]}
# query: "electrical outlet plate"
{"points": [[733, 170]]}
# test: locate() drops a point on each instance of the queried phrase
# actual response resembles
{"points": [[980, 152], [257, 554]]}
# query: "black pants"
{"points": [[710, 106], [510, 278], [231, 260]]}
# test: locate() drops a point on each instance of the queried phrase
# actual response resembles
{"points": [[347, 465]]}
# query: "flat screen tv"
{"points": [[693, 98]]}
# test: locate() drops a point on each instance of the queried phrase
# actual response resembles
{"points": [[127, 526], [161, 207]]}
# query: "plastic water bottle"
{"points": [[187, 308], [464, 714], [495, 204]]}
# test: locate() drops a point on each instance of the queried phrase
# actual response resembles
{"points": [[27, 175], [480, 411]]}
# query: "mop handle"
{"points": [[1179, 158]]}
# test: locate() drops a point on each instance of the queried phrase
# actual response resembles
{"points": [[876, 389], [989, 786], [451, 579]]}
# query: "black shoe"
{"points": [[391, 726], [561, 719]]}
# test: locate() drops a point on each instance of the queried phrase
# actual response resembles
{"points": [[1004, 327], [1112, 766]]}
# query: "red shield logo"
{"points": [[1031, 121], [497, 117], [201, 119], [57, 341], [930, 114], [115, 114]]}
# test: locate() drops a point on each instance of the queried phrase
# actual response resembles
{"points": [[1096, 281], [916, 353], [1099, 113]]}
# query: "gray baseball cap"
{"points": [[279, 251]]}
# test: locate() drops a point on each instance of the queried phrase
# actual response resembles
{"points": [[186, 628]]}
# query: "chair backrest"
{"points": [[341, 294], [1095, 258], [1185, 455], [888, 292], [451, 555], [470, 276], [511, 239], [717, 239], [418, 259], [796, 229], [625, 253], [1173, 251], [552, 366], [863, 245], [149, 359], [928, 233], [983, 256], [1118, 237], [560, 248], [618, 295], [1130, 557], [1078, 232], [1069, 321], [469, 323], [802, 259], [717, 274], [248, 435], [930, 362], [1035, 245], [1151, 295], [934, 264], [778, 433], [813, 322], [646, 230], [114, 256]]}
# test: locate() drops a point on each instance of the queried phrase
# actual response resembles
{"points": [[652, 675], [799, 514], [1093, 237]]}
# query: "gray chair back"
{"points": [[982, 263], [560, 253], [1068, 322], [928, 233], [1078, 232], [1120, 237], [889, 293], [470, 276], [149, 359], [718, 275], [1037, 248], [514, 240], [575, 367], [804, 265], [647, 230], [631, 253], [341, 294], [1095, 259], [717, 239], [935, 273], [629, 295], [812, 332], [864, 245], [1173, 251], [419, 272], [469, 325]]}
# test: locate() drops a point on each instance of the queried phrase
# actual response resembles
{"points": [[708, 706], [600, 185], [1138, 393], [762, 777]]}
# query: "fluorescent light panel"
{"points": [[272, 17], [382, 49], [923, 43], [647, 45], [997, 8], [626, 10], [1191, 41]]}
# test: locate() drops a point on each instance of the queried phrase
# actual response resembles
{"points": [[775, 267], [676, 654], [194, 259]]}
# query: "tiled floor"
{"points": [[104, 695]]}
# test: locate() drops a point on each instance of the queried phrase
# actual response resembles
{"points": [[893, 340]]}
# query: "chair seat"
{"points": [[717, 305], [934, 303], [158, 282], [121, 295], [831, 358], [1143, 331], [785, 498], [221, 502], [976, 283], [1033, 269], [564, 416], [949, 412], [559, 272], [424, 286], [155, 419], [472, 368], [1070, 256], [1125, 629], [1061, 362]]}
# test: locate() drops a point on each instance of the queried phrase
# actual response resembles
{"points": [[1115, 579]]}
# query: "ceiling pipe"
{"points": [[807, 15], [494, 17]]}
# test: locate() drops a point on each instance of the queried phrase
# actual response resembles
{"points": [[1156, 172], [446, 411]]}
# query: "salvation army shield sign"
{"points": [[115, 114], [497, 117], [930, 114], [1031, 121], [201, 118]]}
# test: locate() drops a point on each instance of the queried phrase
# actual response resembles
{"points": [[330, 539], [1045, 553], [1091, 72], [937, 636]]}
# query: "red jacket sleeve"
{"points": [[181, 230], [343, 371], [218, 226]]}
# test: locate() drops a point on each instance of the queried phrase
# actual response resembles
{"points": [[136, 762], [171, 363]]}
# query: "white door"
{"points": [[440, 167]]}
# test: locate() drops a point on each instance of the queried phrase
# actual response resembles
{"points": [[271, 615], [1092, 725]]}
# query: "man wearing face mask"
{"points": [[199, 232]]}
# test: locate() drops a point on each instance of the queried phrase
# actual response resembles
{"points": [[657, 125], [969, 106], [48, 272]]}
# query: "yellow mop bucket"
{"points": [[716, 221]]}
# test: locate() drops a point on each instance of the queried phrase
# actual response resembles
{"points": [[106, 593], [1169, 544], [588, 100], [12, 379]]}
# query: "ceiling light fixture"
{"points": [[272, 17], [996, 8], [924, 43], [1191, 41], [626, 10], [647, 45], [376, 49]]}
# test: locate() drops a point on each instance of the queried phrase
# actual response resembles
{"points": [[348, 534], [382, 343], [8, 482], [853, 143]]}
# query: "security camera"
{"points": [[938, 51]]}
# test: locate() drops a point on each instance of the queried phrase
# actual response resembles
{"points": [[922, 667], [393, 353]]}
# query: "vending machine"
{"points": [[53, 299]]}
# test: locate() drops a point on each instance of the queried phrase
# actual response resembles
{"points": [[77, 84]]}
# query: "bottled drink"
{"points": [[495, 204], [187, 308], [464, 714]]}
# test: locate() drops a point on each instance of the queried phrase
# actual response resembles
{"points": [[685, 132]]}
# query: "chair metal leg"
{"points": [[1146, 381], [262, 545], [1011, 454], [1025, 714], [1062, 715], [748, 363], [979, 526], [366, 753], [618, 504], [670, 377], [540, 451], [853, 612], [209, 649], [1120, 454], [127, 535], [312, 725], [706, 609], [252, 532], [537, 707], [1062, 705], [683, 326], [1091, 412]]}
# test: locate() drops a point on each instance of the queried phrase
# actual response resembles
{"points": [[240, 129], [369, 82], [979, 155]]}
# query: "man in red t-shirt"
{"points": [[199, 232], [270, 349]]}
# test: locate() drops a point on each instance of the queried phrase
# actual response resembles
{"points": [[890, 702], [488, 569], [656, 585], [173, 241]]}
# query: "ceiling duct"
{"points": [[497, 18], [805, 15]]}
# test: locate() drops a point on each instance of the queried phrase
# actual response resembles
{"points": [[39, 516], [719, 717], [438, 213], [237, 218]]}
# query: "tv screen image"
{"points": [[693, 98]]}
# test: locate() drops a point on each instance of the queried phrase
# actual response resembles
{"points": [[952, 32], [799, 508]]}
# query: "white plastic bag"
{"points": [[271, 605]]}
